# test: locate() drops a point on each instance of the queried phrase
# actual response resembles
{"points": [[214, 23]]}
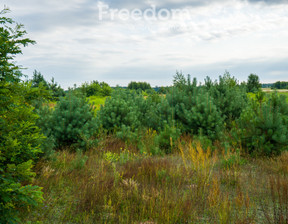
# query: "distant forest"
{"points": [[276, 85]]}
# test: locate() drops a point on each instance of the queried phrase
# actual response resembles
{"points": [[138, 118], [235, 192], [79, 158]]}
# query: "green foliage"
{"points": [[179, 80], [20, 141], [126, 109], [163, 90], [232, 160], [96, 89], [139, 86], [79, 162], [11, 41], [55, 90], [264, 126], [38, 79], [20, 138], [167, 139], [194, 109], [120, 109], [229, 97], [71, 123], [97, 101], [280, 85], [253, 84], [123, 157]]}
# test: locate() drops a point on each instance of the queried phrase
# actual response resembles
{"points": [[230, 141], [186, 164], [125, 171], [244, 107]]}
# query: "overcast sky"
{"points": [[78, 43]]}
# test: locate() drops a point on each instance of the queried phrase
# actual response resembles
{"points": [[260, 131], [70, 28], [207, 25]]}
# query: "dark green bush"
{"points": [[139, 86], [129, 109], [119, 110], [96, 88], [229, 97], [71, 123], [194, 110], [264, 126], [253, 83], [167, 139]]}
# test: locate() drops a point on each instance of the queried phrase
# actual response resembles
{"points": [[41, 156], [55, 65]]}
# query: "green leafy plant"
{"points": [[95, 88], [253, 84], [167, 139]]}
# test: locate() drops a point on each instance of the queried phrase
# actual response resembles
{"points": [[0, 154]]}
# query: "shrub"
{"points": [[167, 139], [20, 141], [96, 89], [253, 83], [194, 111], [71, 123], [127, 110], [264, 126], [229, 97], [139, 86]]}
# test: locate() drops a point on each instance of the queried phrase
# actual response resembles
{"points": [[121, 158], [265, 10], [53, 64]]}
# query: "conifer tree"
{"points": [[70, 123], [20, 138], [264, 126]]}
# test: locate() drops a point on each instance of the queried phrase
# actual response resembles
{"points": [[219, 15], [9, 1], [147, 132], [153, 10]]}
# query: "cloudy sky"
{"points": [[121, 41]]}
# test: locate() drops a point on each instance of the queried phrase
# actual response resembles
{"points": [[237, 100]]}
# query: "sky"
{"points": [[122, 41]]}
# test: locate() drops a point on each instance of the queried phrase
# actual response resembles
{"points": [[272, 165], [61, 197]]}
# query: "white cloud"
{"points": [[71, 40]]}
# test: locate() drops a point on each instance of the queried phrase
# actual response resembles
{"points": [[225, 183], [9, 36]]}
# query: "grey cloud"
{"points": [[269, 2], [179, 4], [85, 13]]}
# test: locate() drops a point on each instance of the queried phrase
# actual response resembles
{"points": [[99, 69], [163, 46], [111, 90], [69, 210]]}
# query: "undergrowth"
{"points": [[115, 183]]}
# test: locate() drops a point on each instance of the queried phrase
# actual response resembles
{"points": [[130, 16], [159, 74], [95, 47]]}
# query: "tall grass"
{"points": [[116, 184]]}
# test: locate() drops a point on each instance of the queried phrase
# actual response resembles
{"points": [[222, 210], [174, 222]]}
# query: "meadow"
{"points": [[115, 183]]}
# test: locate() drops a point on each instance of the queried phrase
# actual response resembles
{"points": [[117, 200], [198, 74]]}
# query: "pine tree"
{"points": [[20, 138], [229, 97], [264, 126], [71, 123]]}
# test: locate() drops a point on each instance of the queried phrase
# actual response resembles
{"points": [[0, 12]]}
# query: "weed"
{"points": [[277, 210]]}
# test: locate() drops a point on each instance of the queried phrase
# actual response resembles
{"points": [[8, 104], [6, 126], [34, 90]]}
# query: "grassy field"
{"points": [[115, 183], [97, 101], [285, 93]]}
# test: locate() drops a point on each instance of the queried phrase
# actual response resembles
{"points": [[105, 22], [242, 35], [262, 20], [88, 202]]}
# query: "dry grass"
{"points": [[116, 184]]}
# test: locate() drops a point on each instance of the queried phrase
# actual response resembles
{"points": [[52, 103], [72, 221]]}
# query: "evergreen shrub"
{"points": [[20, 141], [71, 123], [264, 126], [229, 97], [128, 111], [194, 110]]}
